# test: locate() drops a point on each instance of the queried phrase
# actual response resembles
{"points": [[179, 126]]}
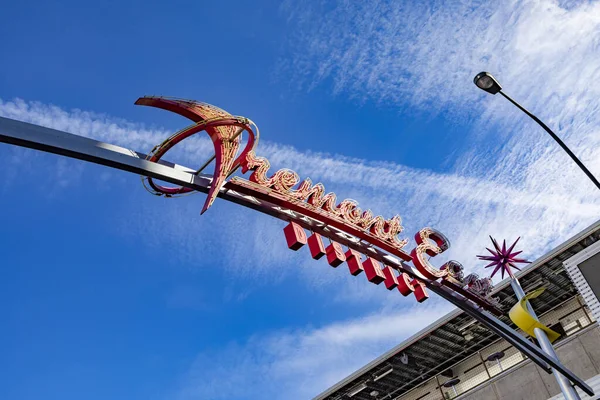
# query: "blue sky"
{"points": [[109, 292]]}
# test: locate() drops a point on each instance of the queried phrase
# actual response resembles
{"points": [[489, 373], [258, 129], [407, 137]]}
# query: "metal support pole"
{"points": [[532, 351], [565, 385]]}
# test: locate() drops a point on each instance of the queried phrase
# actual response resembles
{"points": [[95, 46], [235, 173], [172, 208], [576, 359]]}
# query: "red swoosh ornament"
{"points": [[224, 130]]}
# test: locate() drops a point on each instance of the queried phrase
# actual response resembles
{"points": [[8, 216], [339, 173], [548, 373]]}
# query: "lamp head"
{"points": [[485, 81]]}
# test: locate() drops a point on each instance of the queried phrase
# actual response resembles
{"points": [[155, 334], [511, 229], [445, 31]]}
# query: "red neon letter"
{"points": [[354, 260], [390, 278], [294, 235], [315, 244], [426, 246], [404, 285], [373, 271], [335, 254], [420, 291]]}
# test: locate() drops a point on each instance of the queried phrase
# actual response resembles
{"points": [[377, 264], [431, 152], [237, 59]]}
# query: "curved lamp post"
{"points": [[485, 81]]}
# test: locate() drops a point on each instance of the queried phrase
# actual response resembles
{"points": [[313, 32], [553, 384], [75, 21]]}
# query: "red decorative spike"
{"points": [[513, 245], [496, 270], [495, 245], [514, 266]]}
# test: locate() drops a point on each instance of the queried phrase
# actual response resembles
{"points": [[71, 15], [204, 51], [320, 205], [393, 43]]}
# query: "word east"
{"points": [[374, 271]]}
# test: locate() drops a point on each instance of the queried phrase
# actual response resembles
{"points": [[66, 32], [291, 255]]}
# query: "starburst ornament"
{"points": [[503, 259]]}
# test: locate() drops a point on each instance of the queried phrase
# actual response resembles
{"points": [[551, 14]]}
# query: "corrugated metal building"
{"points": [[458, 358]]}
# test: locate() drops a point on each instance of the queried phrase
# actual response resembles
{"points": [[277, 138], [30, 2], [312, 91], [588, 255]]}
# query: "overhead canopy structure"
{"points": [[457, 336]]}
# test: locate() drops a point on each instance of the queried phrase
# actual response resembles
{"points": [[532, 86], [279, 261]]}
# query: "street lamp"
{"points": [[486, 82]]}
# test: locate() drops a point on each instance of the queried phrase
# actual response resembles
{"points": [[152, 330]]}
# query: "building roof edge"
{"points": [[456, 312]]}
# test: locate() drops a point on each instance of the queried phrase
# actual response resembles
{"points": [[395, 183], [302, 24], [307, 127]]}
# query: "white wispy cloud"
{"points": [[427, 53], [296, 364], [465, 207], [423, 56]]}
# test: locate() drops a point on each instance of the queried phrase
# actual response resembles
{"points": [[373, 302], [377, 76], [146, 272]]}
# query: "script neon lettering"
{"points": [[313, 195]]}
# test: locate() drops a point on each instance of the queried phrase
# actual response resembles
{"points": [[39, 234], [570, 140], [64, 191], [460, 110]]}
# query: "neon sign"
{"points": [[307, 200]]}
